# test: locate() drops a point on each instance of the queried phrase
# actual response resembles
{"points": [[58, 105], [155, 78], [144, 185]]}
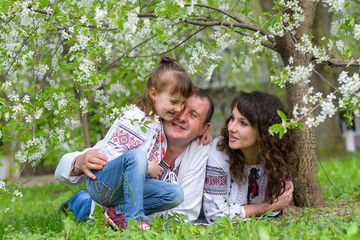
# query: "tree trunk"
{"points": [[307, 187], [85, 129]]}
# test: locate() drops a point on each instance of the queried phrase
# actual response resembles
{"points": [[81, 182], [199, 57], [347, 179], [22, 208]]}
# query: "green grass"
{"points": [[35, 216]]}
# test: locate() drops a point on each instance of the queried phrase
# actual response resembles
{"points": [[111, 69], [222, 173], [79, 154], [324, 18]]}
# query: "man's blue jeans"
{"points": [[122, 183]]}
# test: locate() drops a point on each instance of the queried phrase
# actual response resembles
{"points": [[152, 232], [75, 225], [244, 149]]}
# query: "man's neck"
{"points": [[173, 151]]}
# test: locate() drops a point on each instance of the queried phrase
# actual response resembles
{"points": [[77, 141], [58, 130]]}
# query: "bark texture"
{"points": [[307, 187]]}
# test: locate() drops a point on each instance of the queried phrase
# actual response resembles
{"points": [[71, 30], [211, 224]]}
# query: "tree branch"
{"points": [[265, 44], [341, 63], [190, 36], [216, 23], [17, 54], [119, 58], [218, 10]]}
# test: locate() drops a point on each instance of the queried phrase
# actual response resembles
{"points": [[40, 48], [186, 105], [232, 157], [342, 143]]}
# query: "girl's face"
{"points": [[242, 135], [165, 105]]}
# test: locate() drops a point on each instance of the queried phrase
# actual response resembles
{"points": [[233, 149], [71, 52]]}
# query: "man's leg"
{"points": [[121, 183], [161, 196]]}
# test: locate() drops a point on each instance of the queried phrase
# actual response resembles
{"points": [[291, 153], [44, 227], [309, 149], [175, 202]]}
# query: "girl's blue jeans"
{"points": [[122, 183]]}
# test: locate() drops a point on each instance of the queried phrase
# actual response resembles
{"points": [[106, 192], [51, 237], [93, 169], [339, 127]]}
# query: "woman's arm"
{"points": [[280, 203]]}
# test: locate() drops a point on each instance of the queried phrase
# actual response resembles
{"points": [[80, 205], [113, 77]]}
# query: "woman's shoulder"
{"points": [[217, 157], [213, 144]]}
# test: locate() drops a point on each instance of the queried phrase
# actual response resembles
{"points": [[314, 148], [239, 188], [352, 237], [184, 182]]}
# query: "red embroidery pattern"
{"points": [[155, 150], [215, 181], [125, 138]]}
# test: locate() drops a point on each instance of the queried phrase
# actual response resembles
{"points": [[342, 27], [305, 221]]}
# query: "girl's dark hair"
{"points": [[166, 74], [277, 155]]}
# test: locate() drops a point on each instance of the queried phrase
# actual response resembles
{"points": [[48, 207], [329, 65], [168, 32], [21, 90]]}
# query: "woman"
{"points": [[249, 169]]}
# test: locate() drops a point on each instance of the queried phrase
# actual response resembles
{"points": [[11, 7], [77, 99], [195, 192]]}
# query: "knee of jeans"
{"points": [[178, 196], [136, 155]]}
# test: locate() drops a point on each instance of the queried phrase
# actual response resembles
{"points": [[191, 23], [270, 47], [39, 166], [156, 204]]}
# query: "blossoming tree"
{"points": [[67, 65]]}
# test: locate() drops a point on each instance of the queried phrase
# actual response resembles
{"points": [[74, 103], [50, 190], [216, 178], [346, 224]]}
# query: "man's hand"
{"points": [[206, 138], [91, 160], [285, 198], [154, 170]]}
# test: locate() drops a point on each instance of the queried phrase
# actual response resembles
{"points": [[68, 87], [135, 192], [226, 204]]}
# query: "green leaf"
{"points": [[349, 50], [143, 129], [301, 126], [282, 115], [281, 134], [276, 128], [31, 89], [12, 122]]}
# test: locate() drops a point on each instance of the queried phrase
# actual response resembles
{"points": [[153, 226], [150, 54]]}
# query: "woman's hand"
{"points": [[206, 138], [154, 170], [285, 198], [278, 204]]}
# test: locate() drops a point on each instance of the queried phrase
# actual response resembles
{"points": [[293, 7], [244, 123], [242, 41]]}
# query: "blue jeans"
{"points": [[80, 204], [122, 183]]}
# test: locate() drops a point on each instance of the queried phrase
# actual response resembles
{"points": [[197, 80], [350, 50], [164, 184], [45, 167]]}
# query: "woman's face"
{"points": [[242, 135]]}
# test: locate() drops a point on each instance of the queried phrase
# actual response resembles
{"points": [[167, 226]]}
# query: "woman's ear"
{"points": [[152, 93]]}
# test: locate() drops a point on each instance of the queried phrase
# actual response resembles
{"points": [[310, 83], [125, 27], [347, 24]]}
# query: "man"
{"points": [[185, 159]]}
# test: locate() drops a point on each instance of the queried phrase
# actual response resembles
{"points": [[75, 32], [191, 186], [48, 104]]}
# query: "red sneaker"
{"points": [[117, 221]]}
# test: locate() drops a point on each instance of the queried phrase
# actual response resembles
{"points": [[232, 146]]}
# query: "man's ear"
{"points": [[204, 129], [152, 93]]}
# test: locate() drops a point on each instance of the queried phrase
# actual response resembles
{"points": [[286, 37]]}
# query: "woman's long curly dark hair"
{"points": [[277, 155]]}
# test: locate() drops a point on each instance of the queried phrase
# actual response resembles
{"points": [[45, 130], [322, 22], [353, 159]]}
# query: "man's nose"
{"points": [[181, 116]]}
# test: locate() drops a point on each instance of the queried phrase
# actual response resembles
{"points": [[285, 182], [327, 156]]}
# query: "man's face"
{"points": [[189, 123]]}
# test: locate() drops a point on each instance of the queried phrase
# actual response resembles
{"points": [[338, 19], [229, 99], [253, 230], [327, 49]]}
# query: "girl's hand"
{"points": [[91, 160], [154, 170], [206, 138]]}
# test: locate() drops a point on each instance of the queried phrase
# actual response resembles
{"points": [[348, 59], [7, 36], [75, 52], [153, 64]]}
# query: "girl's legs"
{"points": [[121, 183], [161, 196], [80, 204]]}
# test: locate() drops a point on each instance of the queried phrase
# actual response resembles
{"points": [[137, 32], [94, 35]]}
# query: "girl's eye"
{"points": [[243, 123]]}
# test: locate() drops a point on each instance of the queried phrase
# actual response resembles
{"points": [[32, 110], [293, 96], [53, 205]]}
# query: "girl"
{"points": [[135, 139], [249, 169]]}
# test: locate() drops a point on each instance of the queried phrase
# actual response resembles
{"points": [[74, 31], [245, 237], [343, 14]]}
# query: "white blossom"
{"points": [[357, 31], [38, 113], [26, 99], [100, 14], [210, 72], [180, 3], [18, 193], [335, 5]]}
